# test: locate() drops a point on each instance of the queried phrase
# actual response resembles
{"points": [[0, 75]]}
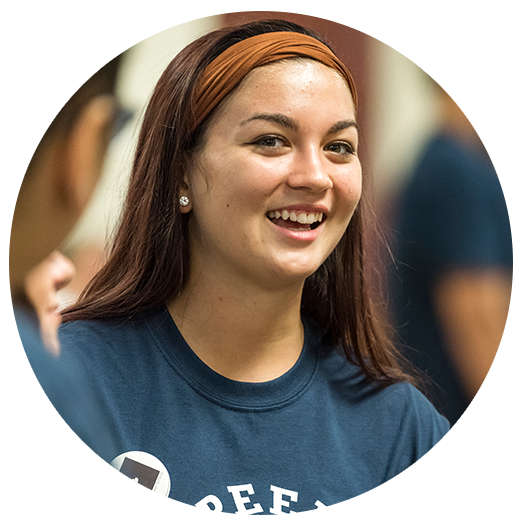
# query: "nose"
{"points": [[310, 172]]}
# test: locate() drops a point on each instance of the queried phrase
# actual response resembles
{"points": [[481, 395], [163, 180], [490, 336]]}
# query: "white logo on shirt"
{"points": [[282, 499], [145, 469]]}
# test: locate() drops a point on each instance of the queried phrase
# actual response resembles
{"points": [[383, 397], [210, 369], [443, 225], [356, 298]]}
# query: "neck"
{"points": [[252, 334]]}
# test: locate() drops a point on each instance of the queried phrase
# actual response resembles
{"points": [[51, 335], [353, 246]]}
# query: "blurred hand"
{"points": [[42, 284]]}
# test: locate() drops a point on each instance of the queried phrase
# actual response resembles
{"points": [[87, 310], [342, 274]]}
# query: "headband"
{"points": [[227, 70]]}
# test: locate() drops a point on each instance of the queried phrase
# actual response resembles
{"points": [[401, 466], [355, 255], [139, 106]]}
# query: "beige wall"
{"points": [[141, 69], [403, 116]]}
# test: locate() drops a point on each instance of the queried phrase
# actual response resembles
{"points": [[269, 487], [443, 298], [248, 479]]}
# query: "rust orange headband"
{"points": [[227, 70]]}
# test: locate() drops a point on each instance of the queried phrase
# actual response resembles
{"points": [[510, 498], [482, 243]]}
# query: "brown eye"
{"points": [[270, 141], [342, 148]]}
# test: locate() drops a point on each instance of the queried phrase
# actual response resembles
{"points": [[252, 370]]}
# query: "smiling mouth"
{"points": [[296, 220]]}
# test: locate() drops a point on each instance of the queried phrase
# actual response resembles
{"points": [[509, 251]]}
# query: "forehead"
{"points": [[287, 85]]}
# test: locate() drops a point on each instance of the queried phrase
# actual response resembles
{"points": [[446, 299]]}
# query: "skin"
{"points": [[472, 306], [285, 139]]}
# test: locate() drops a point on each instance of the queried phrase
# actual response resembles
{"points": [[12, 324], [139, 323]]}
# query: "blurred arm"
{"points": [[472, 308]]}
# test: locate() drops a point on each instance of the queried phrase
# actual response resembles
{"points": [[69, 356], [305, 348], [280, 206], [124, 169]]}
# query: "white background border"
{"points": [[474, 50]]}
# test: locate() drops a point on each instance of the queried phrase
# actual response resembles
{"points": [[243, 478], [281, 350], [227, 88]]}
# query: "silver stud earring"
{"points": [[184, 201]]}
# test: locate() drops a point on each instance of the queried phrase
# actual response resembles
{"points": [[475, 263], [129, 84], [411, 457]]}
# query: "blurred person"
{"points": [[450, 288], [42, 285], [231, 331], [58, 183]]}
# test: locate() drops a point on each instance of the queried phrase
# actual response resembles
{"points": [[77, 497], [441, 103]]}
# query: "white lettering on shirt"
{"points": [[279, 502], [240, 501], [210, 500]]}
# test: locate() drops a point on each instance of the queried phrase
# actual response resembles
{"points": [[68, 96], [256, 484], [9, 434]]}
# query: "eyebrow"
{"points": [[288, 122], [277, 118], [343, 125]]}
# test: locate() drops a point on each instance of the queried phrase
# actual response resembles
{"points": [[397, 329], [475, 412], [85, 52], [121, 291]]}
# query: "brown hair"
{"points": [[149, 258]]}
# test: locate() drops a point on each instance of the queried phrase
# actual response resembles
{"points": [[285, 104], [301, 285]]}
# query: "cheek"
{"points": [[249, 183], [357, 190], [350, 188]]}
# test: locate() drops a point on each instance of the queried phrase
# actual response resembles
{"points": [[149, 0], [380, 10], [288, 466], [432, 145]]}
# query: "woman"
{"points": [[231, 333]]}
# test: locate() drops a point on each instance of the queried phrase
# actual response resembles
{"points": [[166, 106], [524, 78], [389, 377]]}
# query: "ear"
{"points": [[85, 150], [185, 191]]}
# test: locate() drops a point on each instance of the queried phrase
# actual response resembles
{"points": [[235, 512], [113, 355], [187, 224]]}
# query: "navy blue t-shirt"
{"points": [[451, 216], [318, 435]]}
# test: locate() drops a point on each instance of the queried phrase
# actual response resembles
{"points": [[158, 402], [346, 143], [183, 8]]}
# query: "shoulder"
{"points": [[415, 408], [400, 407], [89, 329], [92, 334], [110, 330], [103, 341], [453, 168], [416, 426]]}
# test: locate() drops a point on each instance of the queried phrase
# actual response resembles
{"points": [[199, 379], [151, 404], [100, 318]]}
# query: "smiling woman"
{"points": [[231, 333]]}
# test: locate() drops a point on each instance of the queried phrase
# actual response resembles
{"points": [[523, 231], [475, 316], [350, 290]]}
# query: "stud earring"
{"points": [[184, 201]]}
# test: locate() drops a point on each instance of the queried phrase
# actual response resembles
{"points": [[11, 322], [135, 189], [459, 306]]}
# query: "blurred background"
{"points": [[446, 269]]}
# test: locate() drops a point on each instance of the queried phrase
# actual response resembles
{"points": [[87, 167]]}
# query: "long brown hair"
{"points": [[148, 261]]}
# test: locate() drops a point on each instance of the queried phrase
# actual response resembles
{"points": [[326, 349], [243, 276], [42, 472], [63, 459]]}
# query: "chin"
{"points": [[295, 273]]}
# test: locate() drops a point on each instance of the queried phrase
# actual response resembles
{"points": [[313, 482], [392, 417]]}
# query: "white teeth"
{"points": [[301, 217]]}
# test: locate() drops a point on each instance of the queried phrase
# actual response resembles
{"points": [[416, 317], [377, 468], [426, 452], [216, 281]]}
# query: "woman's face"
{"points": [[278, 178]]}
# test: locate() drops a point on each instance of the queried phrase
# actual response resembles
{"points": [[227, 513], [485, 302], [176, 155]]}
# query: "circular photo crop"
{"points": [[261, 263]]}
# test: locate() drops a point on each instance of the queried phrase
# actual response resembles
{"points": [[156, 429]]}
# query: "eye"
{"points": [[270, 143], [341, 148]]}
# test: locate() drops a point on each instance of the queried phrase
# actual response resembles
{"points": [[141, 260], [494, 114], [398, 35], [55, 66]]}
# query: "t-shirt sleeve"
{"points": [[455, 211], [421, 427]]}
